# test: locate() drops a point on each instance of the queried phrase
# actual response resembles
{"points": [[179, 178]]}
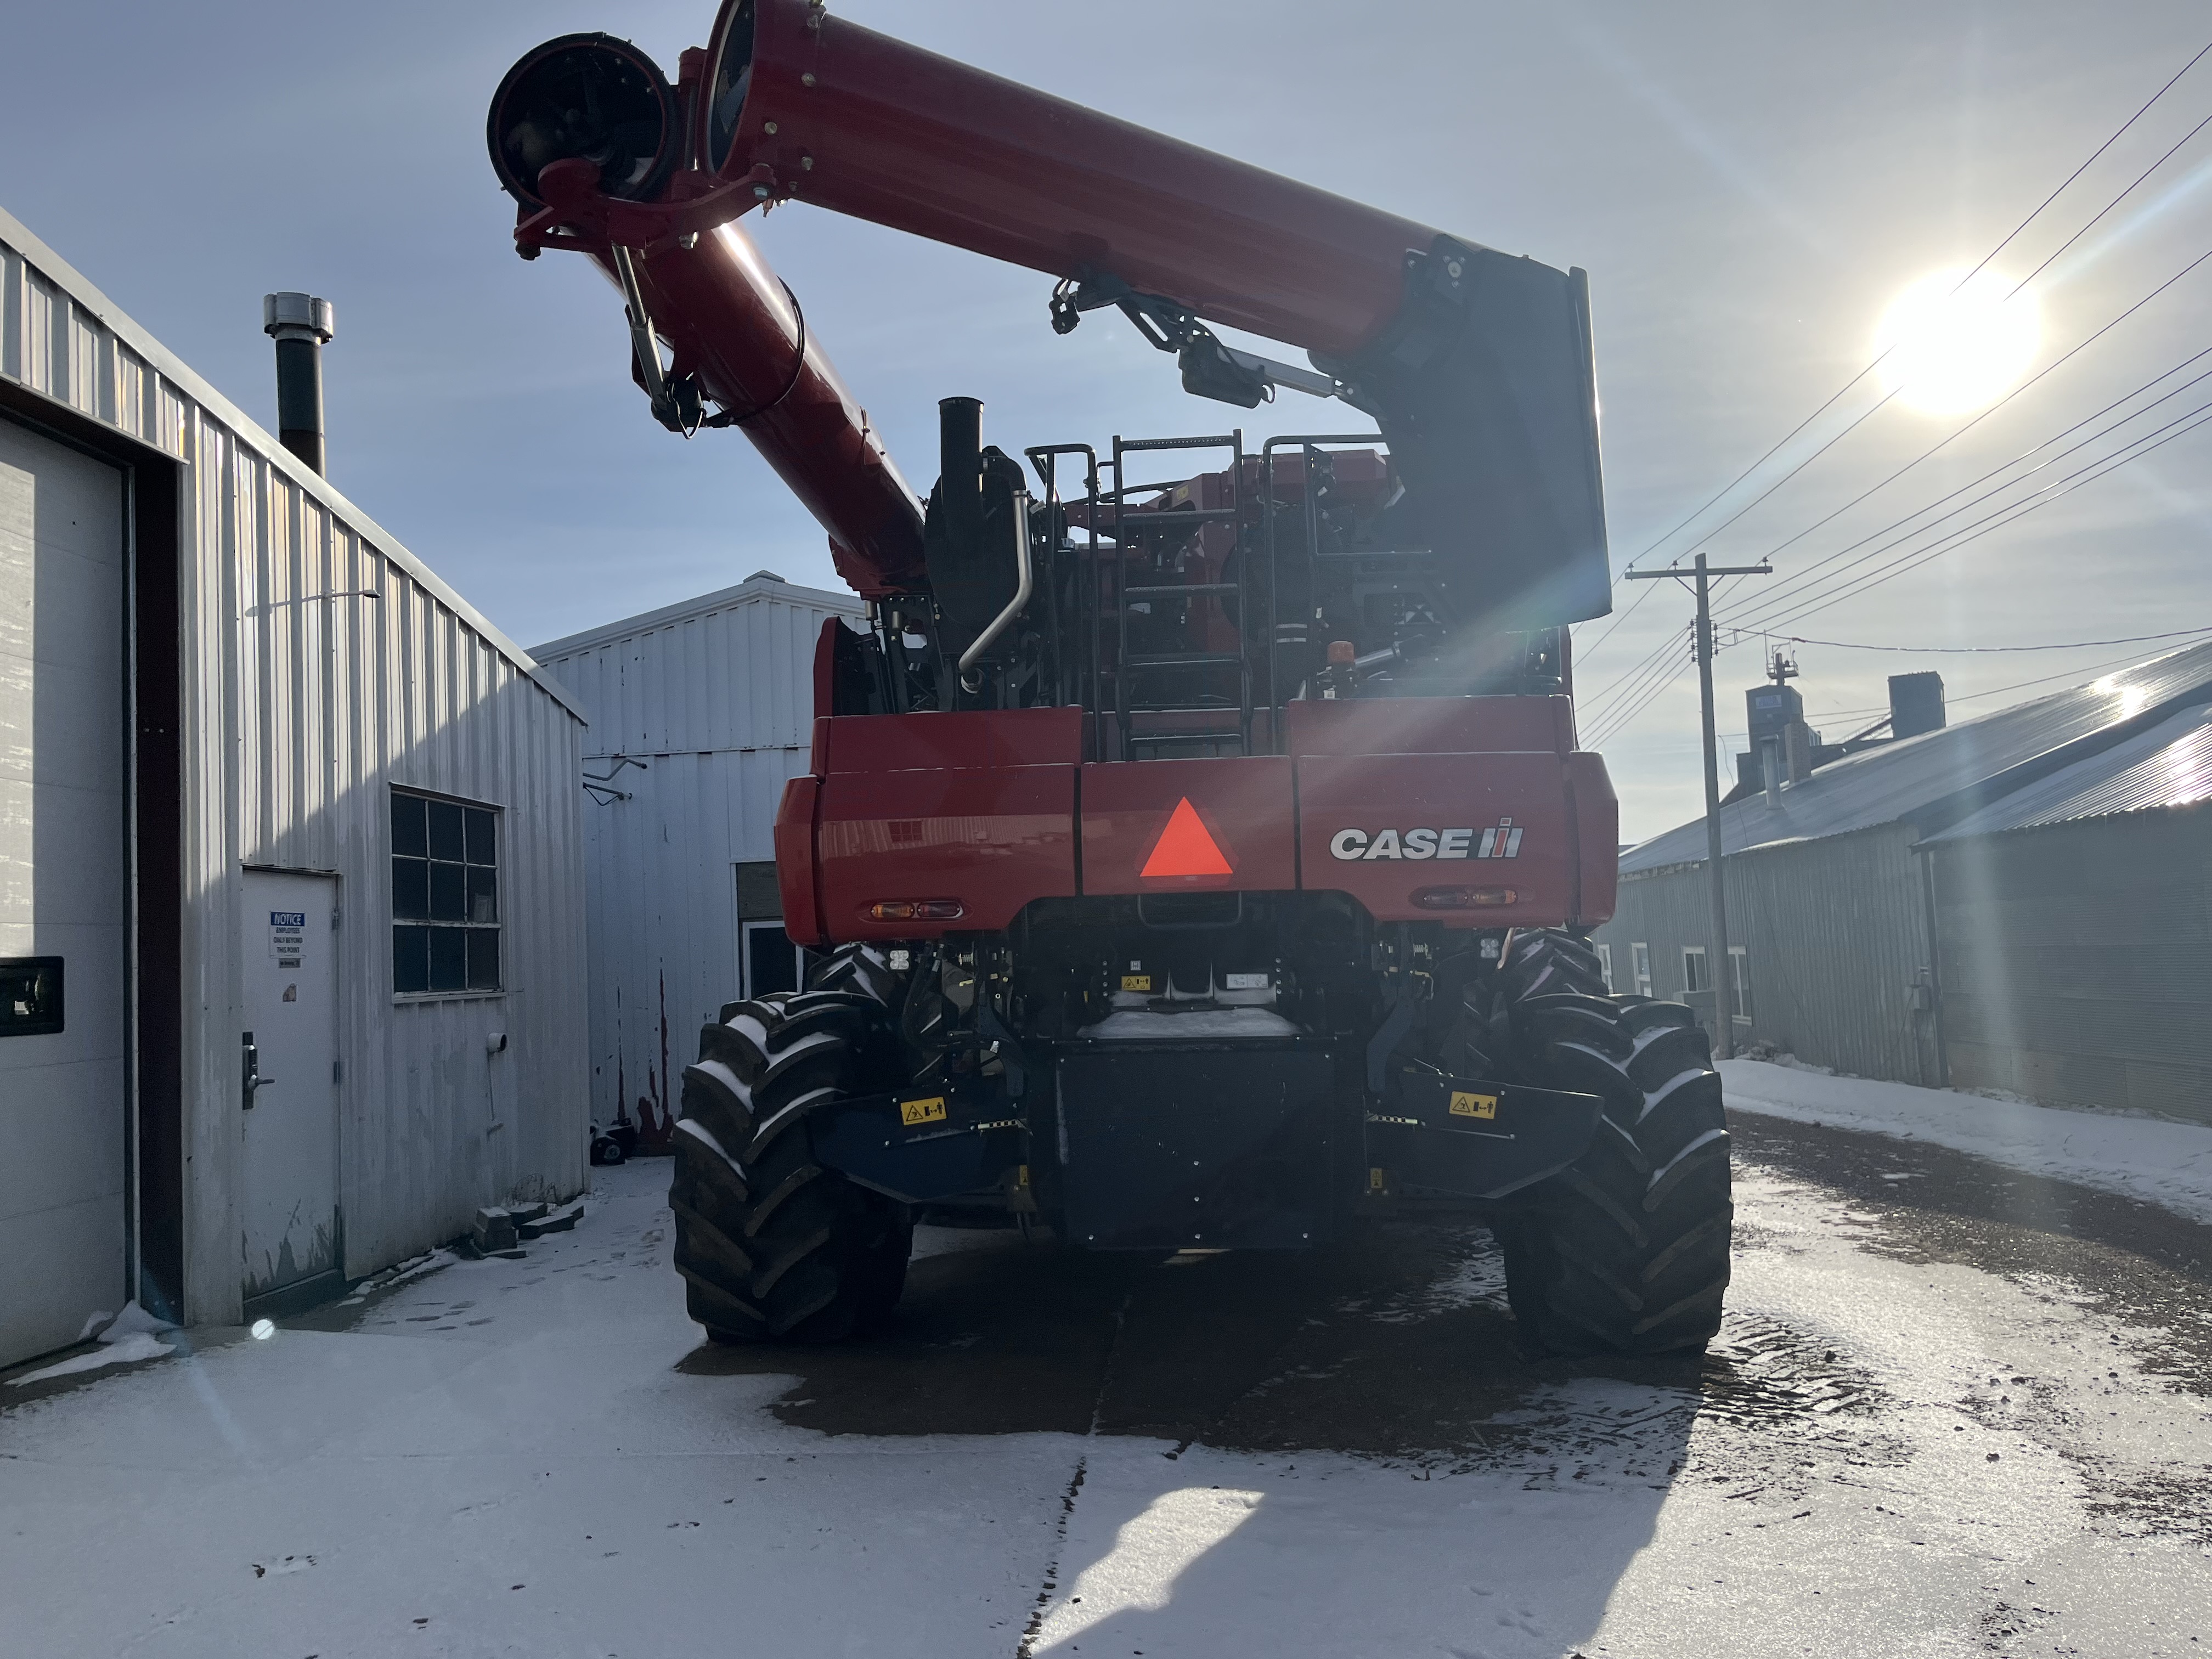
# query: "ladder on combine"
{"points": [[1156, 702], [1167, 702]]}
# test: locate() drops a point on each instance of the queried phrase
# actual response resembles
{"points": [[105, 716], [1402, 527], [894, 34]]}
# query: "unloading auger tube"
{"points": [[1477, 365]]}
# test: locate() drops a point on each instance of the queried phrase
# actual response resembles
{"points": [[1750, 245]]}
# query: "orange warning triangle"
{"points": [[1184, 848]]}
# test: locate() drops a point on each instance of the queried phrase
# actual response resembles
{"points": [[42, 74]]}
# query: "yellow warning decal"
{"points": [[1136, 981], [929, 1110], [1464, 1104], [1374, 1180]]}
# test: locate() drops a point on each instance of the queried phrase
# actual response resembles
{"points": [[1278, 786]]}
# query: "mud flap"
{"points": [[922, 1146], [1474, 1140], [1192, 1147]]}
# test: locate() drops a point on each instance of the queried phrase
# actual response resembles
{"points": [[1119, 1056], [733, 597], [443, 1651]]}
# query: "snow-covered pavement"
{"points": [[2148, 1158], [1891, 1452]]}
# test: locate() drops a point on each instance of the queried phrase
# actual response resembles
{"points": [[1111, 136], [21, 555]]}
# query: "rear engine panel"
{"points": [[1471, 811]]}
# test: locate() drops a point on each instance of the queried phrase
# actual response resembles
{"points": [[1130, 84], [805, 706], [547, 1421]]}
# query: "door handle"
{"points": [[252, 1079]]}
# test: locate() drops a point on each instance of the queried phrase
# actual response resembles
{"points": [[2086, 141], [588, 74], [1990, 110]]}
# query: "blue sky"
{"points": [[1748, 185]]}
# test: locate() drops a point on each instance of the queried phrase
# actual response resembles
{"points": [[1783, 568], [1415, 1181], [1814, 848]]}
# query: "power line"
{"points": [[1861, 420], [1663, 673], [1977, 650], [1655, 668], [2053, 258], [2011, 237], [1799, 578], [1622, 617], [2077, 673], [1619, 711], [1626, 697], [1628, 717], [2010, 514], [1783, 613], [1660, 670]]}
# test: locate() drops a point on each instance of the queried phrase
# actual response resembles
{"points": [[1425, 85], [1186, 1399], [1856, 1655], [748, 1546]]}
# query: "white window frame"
{"points": [[1740, 983], [1690, 987], [1605, 964], [1639, 957]]}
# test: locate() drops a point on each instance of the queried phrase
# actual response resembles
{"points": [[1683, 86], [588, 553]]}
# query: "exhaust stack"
{"points": [[301, 325]]}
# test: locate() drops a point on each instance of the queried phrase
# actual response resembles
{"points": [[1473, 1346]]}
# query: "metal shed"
{"points": [[1833, 901], [221, 686], [2075, 922], [701, 712]]}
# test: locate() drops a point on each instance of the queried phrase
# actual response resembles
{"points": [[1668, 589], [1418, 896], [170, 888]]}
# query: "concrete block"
{"points": [[495, 1230]]}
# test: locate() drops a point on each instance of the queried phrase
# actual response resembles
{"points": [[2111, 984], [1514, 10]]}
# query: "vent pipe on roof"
{"points": [[301, 325], [1916, 704]]}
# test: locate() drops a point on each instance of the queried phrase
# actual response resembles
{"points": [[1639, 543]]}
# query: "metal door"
{"points": [[64, 878], [290, 1094]]}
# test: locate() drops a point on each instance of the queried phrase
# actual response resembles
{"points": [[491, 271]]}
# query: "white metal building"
{"points": [[291, 929], [700, 712]]}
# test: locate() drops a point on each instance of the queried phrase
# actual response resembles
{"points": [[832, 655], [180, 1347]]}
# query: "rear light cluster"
{"points": [[935, 909], [1465, 898]]}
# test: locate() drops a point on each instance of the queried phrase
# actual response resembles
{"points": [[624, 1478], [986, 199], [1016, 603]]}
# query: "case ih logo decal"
{"points": [[1502, 841]]}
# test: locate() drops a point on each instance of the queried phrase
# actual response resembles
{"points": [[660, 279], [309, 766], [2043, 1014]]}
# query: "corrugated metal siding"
{"points": [[299, 713], [2077, 962], [1834, 930], [717, 702]]}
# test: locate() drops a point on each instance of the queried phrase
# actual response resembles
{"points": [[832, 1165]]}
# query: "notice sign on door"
{"points": [[288, 937]]}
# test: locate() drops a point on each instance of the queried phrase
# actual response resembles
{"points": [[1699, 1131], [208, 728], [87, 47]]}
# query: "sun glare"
{"points": [[1953, 347]]}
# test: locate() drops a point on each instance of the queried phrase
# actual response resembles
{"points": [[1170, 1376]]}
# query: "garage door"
{"points": [[62, 881]]}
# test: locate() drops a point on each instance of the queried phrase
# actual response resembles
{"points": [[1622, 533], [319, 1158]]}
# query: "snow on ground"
{"points": [[2162, 1162], [1883, 1456]]}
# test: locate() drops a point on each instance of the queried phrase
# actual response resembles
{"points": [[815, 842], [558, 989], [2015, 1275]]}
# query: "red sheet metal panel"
{"points": [[1597, 838], [1429, 725], [1135, 821], [990, 840], [1386, 828], [794, 862], [908, 743]]}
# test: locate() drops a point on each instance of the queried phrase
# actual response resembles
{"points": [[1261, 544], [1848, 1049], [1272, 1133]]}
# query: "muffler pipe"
{"points": [[1016, 605], [960, 468]]}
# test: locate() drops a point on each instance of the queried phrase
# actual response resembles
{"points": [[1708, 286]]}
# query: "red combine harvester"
{"points": [[1196, 843]]}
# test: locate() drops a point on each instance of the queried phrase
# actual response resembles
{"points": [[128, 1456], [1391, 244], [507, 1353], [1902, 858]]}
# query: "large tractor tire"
{"points": [[1627, 1249], [772, 1247]]}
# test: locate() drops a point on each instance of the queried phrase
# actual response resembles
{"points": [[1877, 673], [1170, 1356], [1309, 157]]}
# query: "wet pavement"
{"points": [[1953, 1409]]}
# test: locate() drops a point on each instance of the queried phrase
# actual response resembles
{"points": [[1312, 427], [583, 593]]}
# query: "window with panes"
{"points": [[444, 896]]}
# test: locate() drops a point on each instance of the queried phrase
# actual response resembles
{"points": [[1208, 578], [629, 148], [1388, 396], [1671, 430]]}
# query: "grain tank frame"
{"points": [[1196, 843]]}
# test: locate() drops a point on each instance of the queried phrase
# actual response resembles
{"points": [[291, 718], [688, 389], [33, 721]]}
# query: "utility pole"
{"points": [[1720, 972]]}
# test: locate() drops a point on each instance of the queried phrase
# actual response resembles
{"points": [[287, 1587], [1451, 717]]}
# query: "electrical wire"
{"points": [[2011, 237], [1626, 697], [1603, 726], [1981, 650], [1586, 650], [1625, 684], [1934, 449], [1622, 721], [2181, 426], [1777, 611], [1663, 669]]}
